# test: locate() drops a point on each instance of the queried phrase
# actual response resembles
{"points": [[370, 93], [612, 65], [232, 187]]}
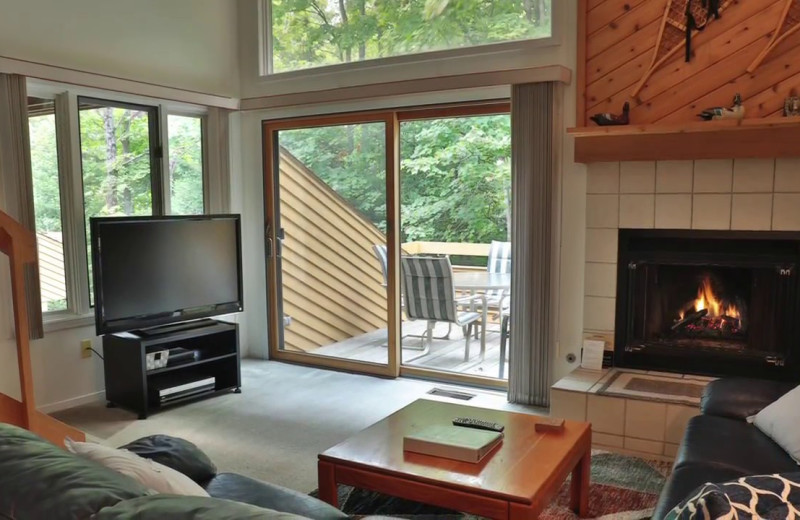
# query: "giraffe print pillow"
{"points": [[755, 497]]}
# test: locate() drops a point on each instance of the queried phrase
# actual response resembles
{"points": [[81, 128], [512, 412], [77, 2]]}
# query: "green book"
{"points": [[453, 442]]}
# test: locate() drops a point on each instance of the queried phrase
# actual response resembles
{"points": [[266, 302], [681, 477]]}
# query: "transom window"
{"points": [[304, 34]]}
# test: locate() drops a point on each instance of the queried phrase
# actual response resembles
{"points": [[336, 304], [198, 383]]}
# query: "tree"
{"points": [[311, 33], [455, 174]]}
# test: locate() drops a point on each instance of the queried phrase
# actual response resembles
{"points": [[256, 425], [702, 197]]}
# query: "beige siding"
{"points": [[332, 281], [51, 267]]}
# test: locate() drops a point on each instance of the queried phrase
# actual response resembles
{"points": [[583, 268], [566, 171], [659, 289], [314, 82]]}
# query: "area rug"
{"points": [[670, 389], [622, 488]]}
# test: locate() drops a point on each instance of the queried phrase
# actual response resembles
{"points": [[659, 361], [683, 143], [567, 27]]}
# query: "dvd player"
{"points": [[165, 392]]}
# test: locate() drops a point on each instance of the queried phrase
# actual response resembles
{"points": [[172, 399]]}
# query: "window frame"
{"points": [[79, 312], [265, 49]]}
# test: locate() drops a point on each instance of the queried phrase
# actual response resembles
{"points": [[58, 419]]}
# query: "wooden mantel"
{"points": [[754, 138]]}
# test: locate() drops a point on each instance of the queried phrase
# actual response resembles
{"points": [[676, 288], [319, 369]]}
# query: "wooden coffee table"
{"points": [[517, 480]]}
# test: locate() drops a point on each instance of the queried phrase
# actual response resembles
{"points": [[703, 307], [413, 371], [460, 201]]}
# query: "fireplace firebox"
{"points": [[709, 302]]}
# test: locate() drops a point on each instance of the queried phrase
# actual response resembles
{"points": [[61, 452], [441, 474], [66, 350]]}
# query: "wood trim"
{"points": [[554, 73], [394, 317], [339, 364], [453, 377], [764, 139], [422, 492], [81, 78], [462, 110], [583, 14]]}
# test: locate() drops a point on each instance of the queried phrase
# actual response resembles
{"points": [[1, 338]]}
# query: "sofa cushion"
{"points": [[178, 454], [739, 398], [732, 444], [684, 480], [244, 489], [39, 480], [148, 473], [780, 420], [159, 507]]}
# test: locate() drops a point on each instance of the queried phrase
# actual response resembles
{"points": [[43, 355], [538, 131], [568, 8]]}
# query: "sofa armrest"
{"points": [[739, 398], [232, 486]]}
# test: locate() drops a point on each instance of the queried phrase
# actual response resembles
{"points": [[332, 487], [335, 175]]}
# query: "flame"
{"points": [[706, 299]]}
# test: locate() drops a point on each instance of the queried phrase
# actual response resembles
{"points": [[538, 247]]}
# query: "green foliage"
{"points": [[44, 164], [186, 165], [455, 174], [312, 33], [115, 155]]}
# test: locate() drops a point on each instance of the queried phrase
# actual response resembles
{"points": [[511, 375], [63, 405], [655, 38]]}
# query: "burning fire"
{"points": [[706, 299]]}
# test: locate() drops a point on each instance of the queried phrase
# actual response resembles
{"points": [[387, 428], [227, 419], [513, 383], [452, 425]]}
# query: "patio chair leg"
{"points": [[468, 339], [503, 342]]}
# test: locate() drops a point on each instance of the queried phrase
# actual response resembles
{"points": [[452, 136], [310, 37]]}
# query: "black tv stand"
{"points": [[166, 329], [130, 385]]}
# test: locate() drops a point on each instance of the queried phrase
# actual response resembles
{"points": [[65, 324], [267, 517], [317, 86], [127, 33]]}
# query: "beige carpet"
{"points": [[274, 429]]}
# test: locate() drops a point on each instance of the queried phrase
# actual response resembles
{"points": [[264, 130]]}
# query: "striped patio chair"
{"points": [[427, 283], [383, 259], [499, 262]]}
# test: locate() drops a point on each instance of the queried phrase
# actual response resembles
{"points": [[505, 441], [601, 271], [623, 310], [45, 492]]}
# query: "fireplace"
{"points": [[708, 302]]}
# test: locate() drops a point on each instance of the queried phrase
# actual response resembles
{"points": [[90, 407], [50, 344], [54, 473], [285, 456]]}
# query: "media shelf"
{"points": [[130, 385]]}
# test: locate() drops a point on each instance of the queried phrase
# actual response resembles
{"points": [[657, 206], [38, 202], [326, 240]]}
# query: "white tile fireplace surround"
{"points": [[741, 194]]}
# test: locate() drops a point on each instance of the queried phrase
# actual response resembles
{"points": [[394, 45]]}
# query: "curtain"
{"points": [[533, 241], [17, 181]]}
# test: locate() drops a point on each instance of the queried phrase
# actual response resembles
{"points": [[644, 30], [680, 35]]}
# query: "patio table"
{"points": [[474, 281]]}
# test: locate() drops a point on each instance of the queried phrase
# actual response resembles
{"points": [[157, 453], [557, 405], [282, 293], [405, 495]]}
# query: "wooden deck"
{"points": [[445, 354]]}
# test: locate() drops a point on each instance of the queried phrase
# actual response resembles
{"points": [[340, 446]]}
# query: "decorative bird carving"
{"points": [[714, 113], [608, 119]]}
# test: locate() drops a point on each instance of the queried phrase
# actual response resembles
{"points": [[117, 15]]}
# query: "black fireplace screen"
{"points": [[716, 308], [714, 303]]}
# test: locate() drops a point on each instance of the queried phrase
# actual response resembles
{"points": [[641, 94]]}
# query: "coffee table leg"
{"points": [[579, 489], [328, 490]]}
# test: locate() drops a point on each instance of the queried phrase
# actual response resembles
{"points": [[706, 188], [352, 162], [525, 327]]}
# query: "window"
{"points": [[120, 169], [315, 33], [185, 165], [47, 203], [112, 167]]}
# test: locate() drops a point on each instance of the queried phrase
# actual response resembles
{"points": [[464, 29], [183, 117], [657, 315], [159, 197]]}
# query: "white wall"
{"points": [[573, 177], [189, 44]]}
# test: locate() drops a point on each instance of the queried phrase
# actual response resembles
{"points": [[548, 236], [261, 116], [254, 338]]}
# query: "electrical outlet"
{"points": [[86, 348]]}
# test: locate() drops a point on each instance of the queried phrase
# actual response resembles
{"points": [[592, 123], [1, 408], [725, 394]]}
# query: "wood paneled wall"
{"points": [[620, 38]]}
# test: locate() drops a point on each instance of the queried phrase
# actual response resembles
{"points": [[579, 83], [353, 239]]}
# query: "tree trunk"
{"points": [[127, 196], [362, 44], [529, 10], [111, 159], [348, 55], [541, 9]]}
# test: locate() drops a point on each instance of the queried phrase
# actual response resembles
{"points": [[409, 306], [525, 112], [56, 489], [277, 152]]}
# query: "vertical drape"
{"points": [[532, 238], [217, 171], [17, 181]]}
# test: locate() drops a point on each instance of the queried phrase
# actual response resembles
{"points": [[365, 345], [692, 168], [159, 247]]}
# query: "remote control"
{"points": [[478, 424]]}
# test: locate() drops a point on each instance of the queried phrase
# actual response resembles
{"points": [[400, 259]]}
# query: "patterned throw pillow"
{"points": [[756, 497]]}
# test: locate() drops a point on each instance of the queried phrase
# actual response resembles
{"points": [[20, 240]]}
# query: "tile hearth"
{"points": [[641, 422]]}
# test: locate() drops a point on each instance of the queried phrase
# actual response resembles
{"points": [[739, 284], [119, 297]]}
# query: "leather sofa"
{"points": [[39, 480], [720, 445]]}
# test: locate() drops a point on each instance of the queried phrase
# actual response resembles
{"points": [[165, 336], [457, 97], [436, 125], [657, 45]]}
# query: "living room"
{"points": [[615, 209]]}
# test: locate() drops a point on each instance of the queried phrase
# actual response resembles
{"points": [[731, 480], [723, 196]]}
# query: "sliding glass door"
{"points": [[327, 242], [388, 242]]}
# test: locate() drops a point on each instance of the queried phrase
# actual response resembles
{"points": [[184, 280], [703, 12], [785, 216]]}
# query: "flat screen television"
{"points": [[152, 271]]}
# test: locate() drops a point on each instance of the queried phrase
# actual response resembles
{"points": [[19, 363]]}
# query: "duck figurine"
{"points": [[608, 119], [715, 113]]}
